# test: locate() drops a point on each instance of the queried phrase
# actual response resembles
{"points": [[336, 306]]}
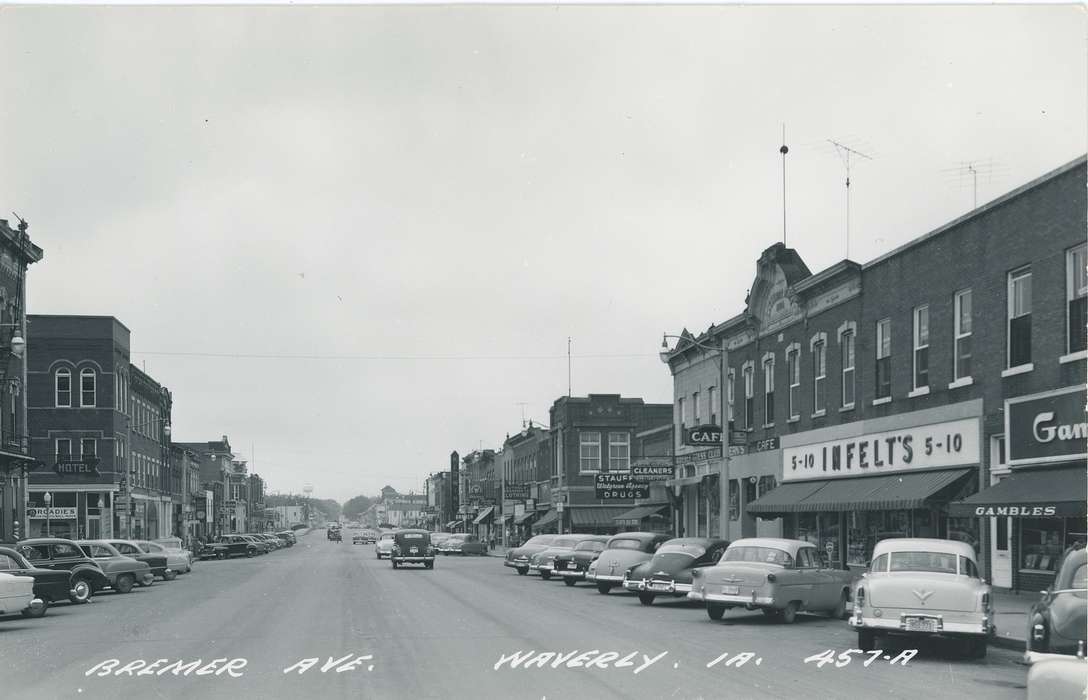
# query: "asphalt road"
{"points": [[439, 634]]}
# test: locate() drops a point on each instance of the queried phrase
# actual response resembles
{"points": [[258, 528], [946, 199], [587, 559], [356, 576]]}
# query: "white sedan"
{"points": [[177, 560], [16, 593]]}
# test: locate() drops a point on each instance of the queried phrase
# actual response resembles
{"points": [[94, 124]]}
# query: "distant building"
{"points": [[215, 458]]}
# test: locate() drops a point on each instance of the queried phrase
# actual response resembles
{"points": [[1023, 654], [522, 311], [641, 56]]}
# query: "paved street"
{"points": [[439, 634]]}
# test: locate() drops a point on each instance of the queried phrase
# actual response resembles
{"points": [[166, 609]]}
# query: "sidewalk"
{"points": [[1011, 611], [499, 551]]}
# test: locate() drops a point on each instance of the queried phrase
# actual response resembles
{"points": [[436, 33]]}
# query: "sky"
{"points": [[354, 239]]}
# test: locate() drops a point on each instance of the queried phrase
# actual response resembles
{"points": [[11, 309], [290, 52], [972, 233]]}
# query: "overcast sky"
{"points": [[480, 183]]}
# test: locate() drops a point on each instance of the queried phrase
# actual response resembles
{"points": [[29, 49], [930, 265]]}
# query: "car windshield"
{"points": [[590, 546], [625, 544], [762, 555], [931, 562], [692, 550]]}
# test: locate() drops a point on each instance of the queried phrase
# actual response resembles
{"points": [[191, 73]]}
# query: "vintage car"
{"points": [[573, 565], [543, 562], [65, 555], [622, 552], [384, 546], [262, 546], [668, 572], [158, 562], [17, 595], [1056, 676], [273, 542], [780, 577], [174, 545], [438, 537], [924, 587], [1057, 623], [230, 546], [121, 572], [412, 547], [49, 586], [176, 560], [288, 537], [335, 535], [518, 557], [463, 545], [360, 538]]}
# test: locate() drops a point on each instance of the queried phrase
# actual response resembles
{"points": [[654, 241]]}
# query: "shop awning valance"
{"points": [[547, 519], [483, 515], [594, 516], [453, 523], [1031, 492], [524, 517], [638, 513], [885, 492], [504, 517]]}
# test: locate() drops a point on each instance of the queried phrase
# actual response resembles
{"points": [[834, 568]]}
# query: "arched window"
{"points": [[87, 385], [63, 388]]}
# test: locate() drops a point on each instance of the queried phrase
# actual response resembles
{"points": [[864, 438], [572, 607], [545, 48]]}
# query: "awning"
{"points": [[453, 523], [527, 515], [547, 519], [594, 516], [484, 515], [638, 513], [505, 517], [1031, 492], [886, 492]]}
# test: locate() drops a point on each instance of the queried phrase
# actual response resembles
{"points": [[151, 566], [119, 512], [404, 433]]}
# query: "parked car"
{"points": [[272, 541], [158, 563], [65, 555], [335, 535], [925, 588], [384, 546], [543, 562], [358, 538], [262, 546], [49, 586], [518, 558], [231, 546], [572, 565], [1055, 676], [1057, 623], [17, 595], [622, 552], [174, 545], [669, 571], [780, 577], [463, 545], [288, 537], [438, 537], [412, 547], [369, 536], [176, 560], [122, 573]]}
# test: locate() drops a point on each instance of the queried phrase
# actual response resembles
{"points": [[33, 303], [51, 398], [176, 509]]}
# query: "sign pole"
{"points": [[723, 392]]}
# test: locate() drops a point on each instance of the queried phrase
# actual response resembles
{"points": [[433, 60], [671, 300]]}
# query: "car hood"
{"points": [[924, 591], [673, 564], [527, 550]]}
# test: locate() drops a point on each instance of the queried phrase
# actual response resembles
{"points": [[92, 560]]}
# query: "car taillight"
{"points": [[771, 578], [986, 601], [696, 573], [859, 599]]}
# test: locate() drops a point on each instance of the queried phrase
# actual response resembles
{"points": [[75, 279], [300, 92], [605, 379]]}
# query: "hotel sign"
{"points": [[77, 467], [1048, 427], [939, 445]]}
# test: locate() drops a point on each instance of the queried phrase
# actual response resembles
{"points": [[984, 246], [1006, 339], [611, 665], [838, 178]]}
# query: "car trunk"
{"points": [[922, 591], [738, 574], [669, 567], [1068, 613]]}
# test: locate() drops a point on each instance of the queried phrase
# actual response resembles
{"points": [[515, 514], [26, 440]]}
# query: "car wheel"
{"points": [[545, 575], [124, 583], [789, 613], [839, 613], [866, 640], [170, 575], [220, 555], [429, 564], [715, 611], [82, 591], [569, 581], [976, 647], [523, 570], [149, 583], [394, 563], [604, 588], [40, 612], [250, 553], [646, 598]]}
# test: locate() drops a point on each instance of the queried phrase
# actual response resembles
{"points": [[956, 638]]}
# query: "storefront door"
{"points": [[1001, 567]]}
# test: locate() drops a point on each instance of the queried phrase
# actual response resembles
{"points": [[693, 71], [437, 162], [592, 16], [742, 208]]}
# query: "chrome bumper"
{"points": [[644, 587], [573, 574], [745, 600], [982, 627]]}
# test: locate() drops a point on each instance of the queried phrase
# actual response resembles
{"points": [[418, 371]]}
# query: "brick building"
{"points": [[480, 491], [156, 507], [874, 396], [527, 470], [216, 466], [194, 499], [17, 253]]}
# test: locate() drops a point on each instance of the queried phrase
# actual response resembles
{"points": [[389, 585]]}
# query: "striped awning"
{"points": [[595, 516], [885, 492], [483, 515], [638, 513], [547, 519]]}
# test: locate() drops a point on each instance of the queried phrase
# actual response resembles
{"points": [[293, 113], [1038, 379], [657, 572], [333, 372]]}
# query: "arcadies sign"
{"points": [[1047, 427]]}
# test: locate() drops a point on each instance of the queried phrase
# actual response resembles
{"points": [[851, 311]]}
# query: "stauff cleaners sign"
{"points": [[1048, 427], [950, 444]]}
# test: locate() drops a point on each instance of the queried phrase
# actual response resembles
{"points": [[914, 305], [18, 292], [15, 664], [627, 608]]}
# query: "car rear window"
{"points": [[761, 555], [931, 562], [564, 542], [590, 546], [625, 544], [691, 550], [413, 536]]}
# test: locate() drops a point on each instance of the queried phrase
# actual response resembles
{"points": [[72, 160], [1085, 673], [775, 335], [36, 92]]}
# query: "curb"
{"points": [[1009, 643]]}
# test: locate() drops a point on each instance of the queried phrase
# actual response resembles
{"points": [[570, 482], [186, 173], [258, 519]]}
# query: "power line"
{"points": [[276, 356]]}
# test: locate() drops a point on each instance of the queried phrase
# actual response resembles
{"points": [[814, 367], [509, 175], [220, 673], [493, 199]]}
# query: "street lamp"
{"points": [[723, 391], [48, 512]]}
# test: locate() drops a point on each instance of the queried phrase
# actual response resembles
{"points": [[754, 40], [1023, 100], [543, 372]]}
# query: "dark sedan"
{"points": [[1057, 623], [157, 562], [518, 558], [572, 565], [49, 586], [669, 572], [60, 554]]}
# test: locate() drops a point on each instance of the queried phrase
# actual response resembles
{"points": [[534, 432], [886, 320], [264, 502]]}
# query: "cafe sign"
{"points": [[1048, 427], [934, 446], [706, 435]]}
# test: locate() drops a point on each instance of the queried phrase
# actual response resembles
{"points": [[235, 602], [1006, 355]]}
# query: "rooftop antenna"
{"points": [[568, 367], [973, 169], [784, 150], [523, 404], [846, 153]]}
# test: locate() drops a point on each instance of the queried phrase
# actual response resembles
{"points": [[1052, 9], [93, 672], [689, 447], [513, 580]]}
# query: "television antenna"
{"points": [[972, 170], [846, 154]]}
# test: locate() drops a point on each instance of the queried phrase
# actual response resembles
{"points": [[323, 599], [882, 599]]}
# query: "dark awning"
{"points": [[1031, 492], [545, 520], [594, 516], [527, 515], [638, 513], [453, 523], [885, 492], [484, 515]]}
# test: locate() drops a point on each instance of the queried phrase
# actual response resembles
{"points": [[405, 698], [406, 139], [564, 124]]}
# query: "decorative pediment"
{"points": [[772, 302]]}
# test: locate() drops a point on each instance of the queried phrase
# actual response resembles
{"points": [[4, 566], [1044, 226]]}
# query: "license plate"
{"points": [[414, 550], [659, 586], [731, 590], [921, 624]]}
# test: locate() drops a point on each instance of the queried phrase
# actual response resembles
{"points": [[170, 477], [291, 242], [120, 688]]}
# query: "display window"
{"points": [[714, 505], [866, 528], [1043, 542]]}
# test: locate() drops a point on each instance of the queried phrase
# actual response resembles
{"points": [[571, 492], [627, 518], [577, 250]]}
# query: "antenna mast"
{"points": [[568, 367], [845, 153], [784, 150], [973, 169], [523, 404]]}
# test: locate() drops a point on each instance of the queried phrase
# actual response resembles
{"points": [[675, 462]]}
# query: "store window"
{"points": [[701, 510], [1042, 542], [714, 505], [1077, 298], [734, 499], [866, 528]]}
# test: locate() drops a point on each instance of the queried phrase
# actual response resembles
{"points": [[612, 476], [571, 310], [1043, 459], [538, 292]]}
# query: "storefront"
{"points": [[1043, 496], [847, 487], [649, 517], [69, 513]]}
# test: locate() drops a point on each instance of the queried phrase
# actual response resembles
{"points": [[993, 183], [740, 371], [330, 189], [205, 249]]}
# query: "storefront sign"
{"points": [[77, 467], [1017, 511], [950, 444], [610, 486], [54, 513], [651, 472], [703, 435], [1048, 427], [516, 492], [770, 443]]}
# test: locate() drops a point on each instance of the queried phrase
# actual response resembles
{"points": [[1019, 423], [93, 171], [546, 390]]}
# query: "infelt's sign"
{"points": [[1048, 427], [949, 444]]}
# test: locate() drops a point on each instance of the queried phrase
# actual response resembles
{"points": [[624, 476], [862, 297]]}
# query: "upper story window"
{"points": [[1019, 328], [884, 358], [768, 390], [793, 370], [846, 348], [87, 388], [63, 388], [681, 412], [731, 394], [819, 376], [962, 350], [619, 452], [1077, 299], [88, 447], [749, 396], [695, 407], [63, 448], [921, 347], [712, 405], [589, 451]]}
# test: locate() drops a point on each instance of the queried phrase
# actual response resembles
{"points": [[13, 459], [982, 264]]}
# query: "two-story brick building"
{"points": [[874, 397], [215, 458], [527, 472]]}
